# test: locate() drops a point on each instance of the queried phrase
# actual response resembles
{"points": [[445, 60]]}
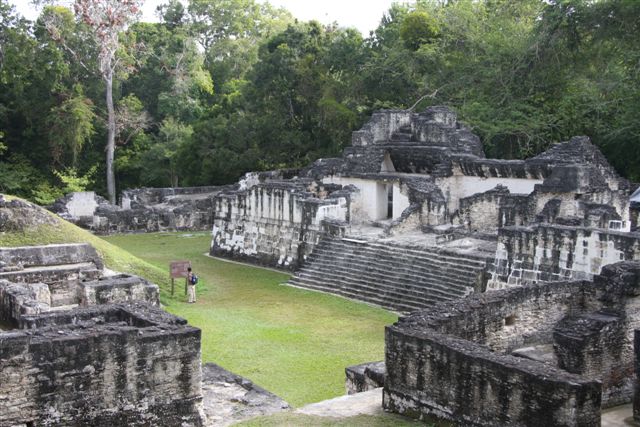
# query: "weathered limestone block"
{"points": [[274, 224], [78, 206], [146, 209], [434, 374], [117, 289], [116, 365], [39, 292], [364, 377], [50, 255], [548, 253], [590, 345], [381, 126]]}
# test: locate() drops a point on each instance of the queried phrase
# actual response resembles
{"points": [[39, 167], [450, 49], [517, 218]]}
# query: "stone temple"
{"points": [[518, 278]]}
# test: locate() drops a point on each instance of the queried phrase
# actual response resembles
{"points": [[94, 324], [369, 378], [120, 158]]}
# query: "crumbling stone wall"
{"points": [[18, 259], [145, 209], [71, 274], [142, 197], [589, 345], [275, 224], [455, 361], [17, 301], [441, 375], [546, 253], [364, 377], [113, 365], [381, 126], [115, 289], [100, 364], [481, 212]]}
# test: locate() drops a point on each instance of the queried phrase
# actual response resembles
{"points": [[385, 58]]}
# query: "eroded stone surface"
{"points": [[454, 361], [109, 365], [229, 398], [72, 354], [146, 210]]}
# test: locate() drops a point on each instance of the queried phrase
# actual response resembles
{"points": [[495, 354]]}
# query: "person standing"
{"points": [[192, 279]]}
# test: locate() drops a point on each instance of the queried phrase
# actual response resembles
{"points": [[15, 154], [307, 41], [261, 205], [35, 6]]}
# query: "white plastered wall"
{"points": [[82, 204], [372, 202]]}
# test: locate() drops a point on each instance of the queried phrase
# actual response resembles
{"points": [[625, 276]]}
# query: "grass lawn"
{"points": [[293, 342], [291, 419]]}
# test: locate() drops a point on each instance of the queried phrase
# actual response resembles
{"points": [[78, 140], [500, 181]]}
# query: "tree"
{"points": [[131, 119], [107, 19], [71, 125], [162, 156], [417, 29]]}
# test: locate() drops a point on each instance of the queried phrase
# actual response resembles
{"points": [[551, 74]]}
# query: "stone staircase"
{"points": [[392, 276]]}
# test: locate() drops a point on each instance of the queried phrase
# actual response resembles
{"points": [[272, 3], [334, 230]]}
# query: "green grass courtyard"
{"points": [[294, 343]]}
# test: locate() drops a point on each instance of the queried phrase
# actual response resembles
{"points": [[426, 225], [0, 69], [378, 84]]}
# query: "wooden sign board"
{"points": [[179, 269]]}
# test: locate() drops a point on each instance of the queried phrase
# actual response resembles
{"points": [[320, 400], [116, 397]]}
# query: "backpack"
{"points": [[194, 279]]}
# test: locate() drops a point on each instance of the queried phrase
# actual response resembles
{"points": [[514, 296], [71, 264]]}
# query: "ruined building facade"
{"points": [[413, 214], [81, 348], [550, 354]]}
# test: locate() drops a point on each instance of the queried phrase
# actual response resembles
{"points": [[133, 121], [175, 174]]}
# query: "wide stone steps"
{"points": [[395, 249], [393, 276], [384, 286], [400, 256], [359, 295], [407, 283], [413, 265], [428, 262]]}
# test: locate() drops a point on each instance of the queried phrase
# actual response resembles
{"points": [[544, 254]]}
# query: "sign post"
{"points": [[179, 269]]}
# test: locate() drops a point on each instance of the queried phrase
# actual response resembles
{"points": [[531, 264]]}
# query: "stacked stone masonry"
{"points": [[79, 348], [405, 172], [276, 223], [101, 366], [457, 361], [142, 210], [413, 215]]}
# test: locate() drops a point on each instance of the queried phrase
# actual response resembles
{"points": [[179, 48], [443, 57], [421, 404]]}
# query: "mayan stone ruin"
{"points": [[79, 347], [517, 280], [141, 210], [516, 318]]}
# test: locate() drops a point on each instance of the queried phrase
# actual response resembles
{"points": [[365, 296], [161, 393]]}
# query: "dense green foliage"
{"points": [[218, 88]]}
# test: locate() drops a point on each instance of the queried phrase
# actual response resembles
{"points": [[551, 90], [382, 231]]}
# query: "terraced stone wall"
{"points": [[119, 365]]}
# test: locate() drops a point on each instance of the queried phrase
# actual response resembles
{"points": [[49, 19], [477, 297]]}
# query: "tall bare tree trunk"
{"points": [[111, 138]]}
